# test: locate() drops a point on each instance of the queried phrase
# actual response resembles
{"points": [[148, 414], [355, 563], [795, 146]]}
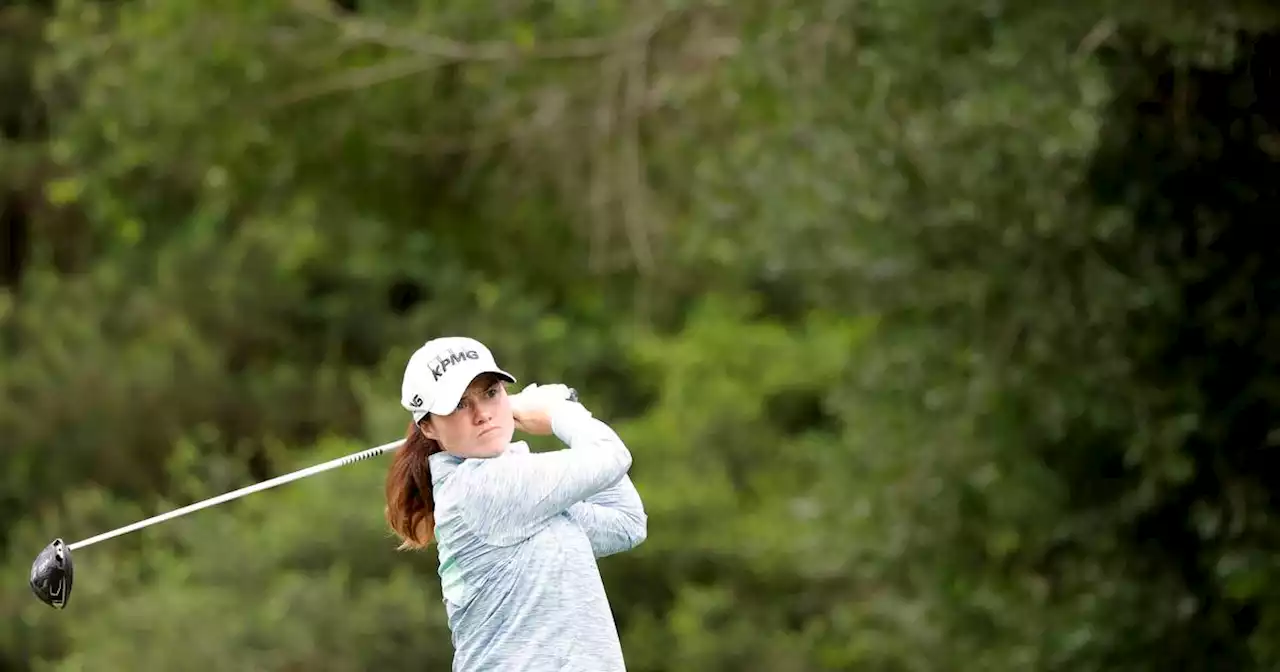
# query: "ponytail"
{"points": [[410, 505]]}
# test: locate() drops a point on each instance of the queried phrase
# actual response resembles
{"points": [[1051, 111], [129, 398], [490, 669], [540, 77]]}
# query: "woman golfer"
{"points": [[518, 533]]}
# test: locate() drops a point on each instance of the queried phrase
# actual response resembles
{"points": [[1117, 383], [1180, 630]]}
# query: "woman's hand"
{"points": [[532, 407]]}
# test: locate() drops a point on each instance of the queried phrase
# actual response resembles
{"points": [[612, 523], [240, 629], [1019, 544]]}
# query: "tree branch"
{"points": [[356, 79], [437, 47]]}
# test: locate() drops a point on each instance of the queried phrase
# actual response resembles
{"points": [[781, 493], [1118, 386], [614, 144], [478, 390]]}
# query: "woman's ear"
{"points": [[427, 430]]}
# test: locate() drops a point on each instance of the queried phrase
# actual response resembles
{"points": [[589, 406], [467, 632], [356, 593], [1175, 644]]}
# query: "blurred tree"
{"points": [[939, 330]]}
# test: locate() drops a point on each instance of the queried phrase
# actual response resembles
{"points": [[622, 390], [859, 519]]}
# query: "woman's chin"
{"points": [[492, 445]]}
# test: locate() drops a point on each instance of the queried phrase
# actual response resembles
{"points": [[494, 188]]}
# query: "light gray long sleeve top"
{"points": [[518, 536]]}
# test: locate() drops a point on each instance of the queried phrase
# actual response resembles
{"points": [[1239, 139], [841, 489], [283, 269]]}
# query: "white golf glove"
{"points": [[548, 397]]}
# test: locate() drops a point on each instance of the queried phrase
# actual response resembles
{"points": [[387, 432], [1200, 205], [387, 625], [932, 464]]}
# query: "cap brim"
{"points": [[451, 391]]}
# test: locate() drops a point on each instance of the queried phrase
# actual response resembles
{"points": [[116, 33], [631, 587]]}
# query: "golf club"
{"points": [[52, 571]]}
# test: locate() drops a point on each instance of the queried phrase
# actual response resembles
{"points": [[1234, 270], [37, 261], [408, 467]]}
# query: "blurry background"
{"points": [[943, 332]]}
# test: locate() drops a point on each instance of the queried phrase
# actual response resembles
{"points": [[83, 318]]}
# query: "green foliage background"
{"points": [[943, 333]]}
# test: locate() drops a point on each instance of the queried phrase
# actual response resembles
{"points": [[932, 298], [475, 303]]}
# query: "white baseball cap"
{"points": [[440, 371]]}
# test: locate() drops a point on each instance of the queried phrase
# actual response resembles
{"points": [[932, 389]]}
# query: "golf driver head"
{"points": [[51, 574]]}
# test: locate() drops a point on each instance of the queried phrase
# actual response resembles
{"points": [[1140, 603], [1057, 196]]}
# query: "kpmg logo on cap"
{"points": [[443, 362]]}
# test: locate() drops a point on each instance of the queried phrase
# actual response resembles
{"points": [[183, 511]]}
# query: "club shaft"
{"points": [[236, 494]]}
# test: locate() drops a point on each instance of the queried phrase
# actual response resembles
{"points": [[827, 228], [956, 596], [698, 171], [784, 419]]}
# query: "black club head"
{"points": [[51, 575]]}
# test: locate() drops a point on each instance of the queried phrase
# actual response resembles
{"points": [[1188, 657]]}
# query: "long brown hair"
{"points": [[410, 506]]}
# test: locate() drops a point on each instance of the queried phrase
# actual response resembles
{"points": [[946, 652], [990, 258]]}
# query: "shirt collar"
{"points": [[443, 464]]}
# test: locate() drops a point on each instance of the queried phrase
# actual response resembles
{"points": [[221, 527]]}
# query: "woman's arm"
{"points": [[511, 497], [613, 519]]}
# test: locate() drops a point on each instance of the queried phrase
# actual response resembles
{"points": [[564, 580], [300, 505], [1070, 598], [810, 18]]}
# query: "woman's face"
{"points": [[482, 424]]}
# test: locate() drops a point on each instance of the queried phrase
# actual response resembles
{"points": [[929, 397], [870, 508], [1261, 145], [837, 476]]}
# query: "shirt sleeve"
{"points": [[614, 519], [513, 496]]}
